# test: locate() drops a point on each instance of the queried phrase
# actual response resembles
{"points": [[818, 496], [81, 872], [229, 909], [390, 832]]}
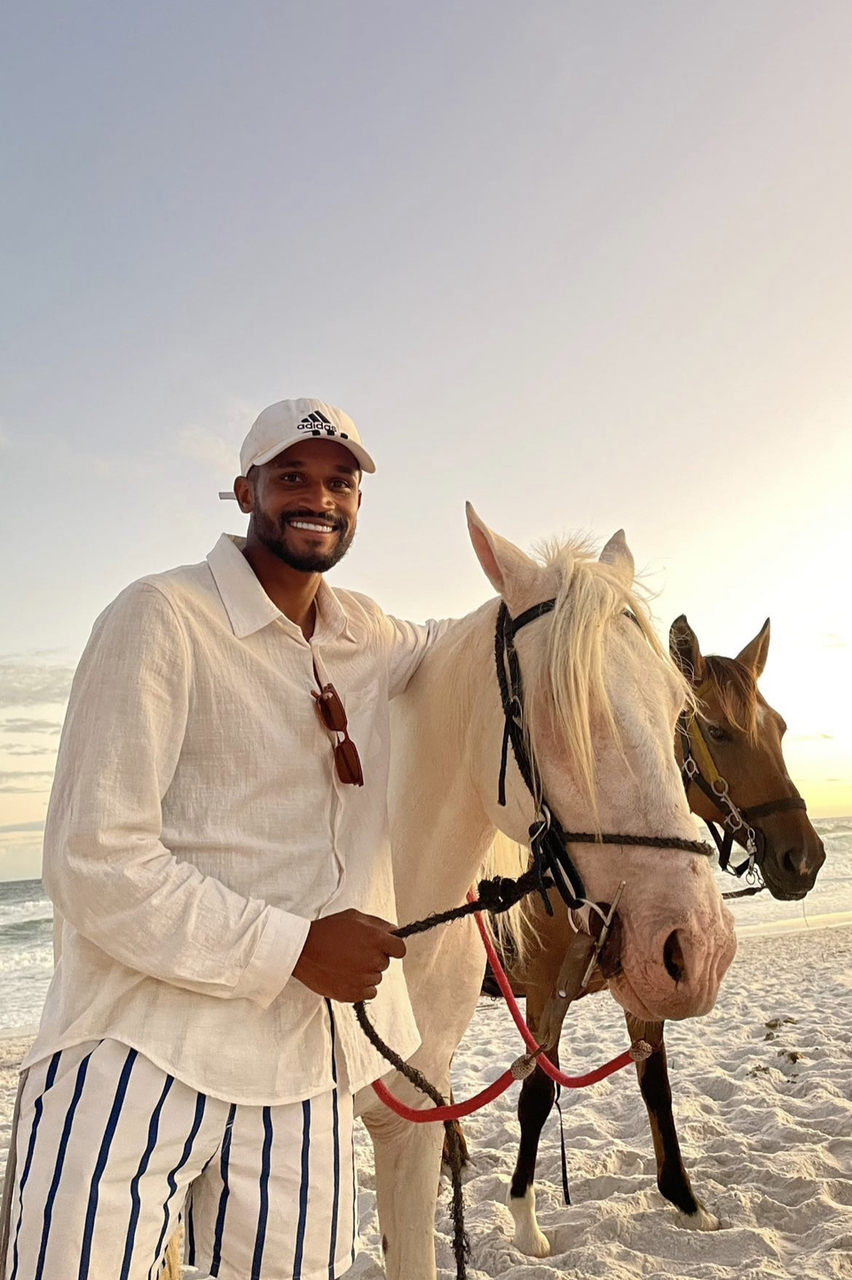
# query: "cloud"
{"points": [[219, 452], [24, 724], [14, 782], [813, 737], [20, 858], [22, 749], [205, 446], [16, 828], [832, 640], [31, 684]]}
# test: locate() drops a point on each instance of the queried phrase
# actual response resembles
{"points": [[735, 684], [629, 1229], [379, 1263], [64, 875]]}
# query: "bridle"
{"points": [[549, 841], [737, 824]]}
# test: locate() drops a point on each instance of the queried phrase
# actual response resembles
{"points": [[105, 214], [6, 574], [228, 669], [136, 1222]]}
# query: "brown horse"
{"points": [[732, 736]]}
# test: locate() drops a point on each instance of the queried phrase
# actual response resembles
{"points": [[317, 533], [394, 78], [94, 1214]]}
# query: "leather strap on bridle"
{"points": [[699, 769], [548, 839], [775, 806]]}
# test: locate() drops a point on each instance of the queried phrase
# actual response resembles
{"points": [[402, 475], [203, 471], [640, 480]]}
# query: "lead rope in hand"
{"points": [[497, 895]]}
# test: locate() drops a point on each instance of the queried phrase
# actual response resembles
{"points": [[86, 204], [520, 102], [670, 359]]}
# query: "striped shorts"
{"points": [[111, 1151]]}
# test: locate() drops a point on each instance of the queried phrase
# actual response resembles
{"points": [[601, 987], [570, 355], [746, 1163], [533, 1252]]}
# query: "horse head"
{"points": [[737, 736], [600, 706]]}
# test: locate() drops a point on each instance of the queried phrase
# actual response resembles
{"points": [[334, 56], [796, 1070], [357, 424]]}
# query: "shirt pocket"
{"points": [[368, 726]]}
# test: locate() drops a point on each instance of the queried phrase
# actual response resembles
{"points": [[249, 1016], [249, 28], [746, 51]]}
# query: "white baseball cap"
{"points": [[289, 421]]}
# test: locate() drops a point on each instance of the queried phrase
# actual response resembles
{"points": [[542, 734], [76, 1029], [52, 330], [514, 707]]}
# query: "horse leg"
{"points": [[408, 1166], [534, 1105], [672, 1178]]}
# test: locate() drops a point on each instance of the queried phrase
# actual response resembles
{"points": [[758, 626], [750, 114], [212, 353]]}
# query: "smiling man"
{"points": [[217, 846]]}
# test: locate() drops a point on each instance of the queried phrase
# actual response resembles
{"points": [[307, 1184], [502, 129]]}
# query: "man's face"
{"points": [[304, 504]]}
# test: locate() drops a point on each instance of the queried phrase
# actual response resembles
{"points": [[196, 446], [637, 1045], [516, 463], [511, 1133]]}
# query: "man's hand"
{"points": [[345, 955]]}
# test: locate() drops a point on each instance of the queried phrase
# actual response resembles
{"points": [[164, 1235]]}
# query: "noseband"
{"points": [[549, 841], [736, 823]]}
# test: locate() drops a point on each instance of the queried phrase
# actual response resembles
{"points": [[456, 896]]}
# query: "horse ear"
{"points": [[618, 554], [754, 654], [510, 572], [684, 648]]}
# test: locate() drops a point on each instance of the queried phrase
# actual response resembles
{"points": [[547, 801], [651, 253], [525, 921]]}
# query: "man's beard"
{"points": [[270, 533]]}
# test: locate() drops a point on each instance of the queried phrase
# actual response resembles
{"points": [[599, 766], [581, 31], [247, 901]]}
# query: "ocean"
{"points": [[26, 924], [26, 952]]}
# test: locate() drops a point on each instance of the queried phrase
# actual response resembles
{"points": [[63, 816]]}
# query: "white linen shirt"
{"points": [[197, 825]]}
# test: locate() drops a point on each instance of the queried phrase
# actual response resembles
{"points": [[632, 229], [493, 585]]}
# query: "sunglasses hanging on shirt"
{"points": [[332, 713]]}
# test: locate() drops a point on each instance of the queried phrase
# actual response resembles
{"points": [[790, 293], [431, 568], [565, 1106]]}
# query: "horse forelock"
{"points": [[568, 675], [736, 691]]}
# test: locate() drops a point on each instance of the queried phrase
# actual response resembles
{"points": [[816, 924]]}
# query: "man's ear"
{"points": [[244, 489]]}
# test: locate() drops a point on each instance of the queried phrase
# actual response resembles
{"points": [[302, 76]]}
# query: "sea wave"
{"points": [[12, 915], [20, 963]]}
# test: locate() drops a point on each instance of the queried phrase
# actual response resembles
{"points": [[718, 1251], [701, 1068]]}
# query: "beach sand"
{"points": [[763, 1100]]}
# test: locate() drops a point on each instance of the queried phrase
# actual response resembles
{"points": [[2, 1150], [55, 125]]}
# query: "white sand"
{"points": [[763, 1099]]}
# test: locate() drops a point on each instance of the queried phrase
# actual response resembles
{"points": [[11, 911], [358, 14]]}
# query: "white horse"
{"points": [[602, 698], [601, 702]]}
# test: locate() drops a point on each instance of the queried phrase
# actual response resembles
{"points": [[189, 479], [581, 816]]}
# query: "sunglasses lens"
{"points": [[348, 763], [333, 715], [331, 710]]}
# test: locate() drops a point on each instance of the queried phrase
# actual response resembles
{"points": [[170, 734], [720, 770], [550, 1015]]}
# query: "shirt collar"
{"points": [[249, 608]]}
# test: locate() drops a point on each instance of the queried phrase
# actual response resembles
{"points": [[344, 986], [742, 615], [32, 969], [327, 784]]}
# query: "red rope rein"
{"points": [[458, 1110]]}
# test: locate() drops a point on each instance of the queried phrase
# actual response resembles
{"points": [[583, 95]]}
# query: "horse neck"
{"points": [[439, 827]]}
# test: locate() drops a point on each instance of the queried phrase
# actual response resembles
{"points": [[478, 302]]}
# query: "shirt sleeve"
{"points": [[408, 643], [105, 865]]}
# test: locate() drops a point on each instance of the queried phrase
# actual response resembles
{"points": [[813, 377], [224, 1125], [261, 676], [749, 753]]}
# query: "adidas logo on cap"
{"points": [[318, 424]]}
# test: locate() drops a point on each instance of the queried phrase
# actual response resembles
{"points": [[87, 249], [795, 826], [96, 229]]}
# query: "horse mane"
{"points": [[736, 689], [566, 680]]}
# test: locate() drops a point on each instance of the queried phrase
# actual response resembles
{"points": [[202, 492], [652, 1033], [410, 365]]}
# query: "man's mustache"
{"points": [[335, 522]]}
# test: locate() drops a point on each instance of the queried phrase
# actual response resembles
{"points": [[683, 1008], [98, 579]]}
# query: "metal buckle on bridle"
{"points": [[736, 822], [603, 935], [570, 984], [538, 832], [542, 823]]}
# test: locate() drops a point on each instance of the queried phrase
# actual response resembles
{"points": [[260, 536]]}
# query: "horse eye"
{"points": [[717, 733]]}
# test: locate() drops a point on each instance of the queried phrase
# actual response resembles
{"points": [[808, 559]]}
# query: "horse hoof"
{"points": [[701, 1220], [529, 1238]]}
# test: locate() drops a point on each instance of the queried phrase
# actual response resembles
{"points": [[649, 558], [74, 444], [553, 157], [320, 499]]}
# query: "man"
{"points": [[217, 846]]}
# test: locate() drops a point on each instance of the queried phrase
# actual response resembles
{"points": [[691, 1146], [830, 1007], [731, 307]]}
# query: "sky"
{"points": [[588, 266]]}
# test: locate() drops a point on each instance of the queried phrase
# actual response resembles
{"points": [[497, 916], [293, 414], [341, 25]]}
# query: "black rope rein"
{"points": [[496, 896]]}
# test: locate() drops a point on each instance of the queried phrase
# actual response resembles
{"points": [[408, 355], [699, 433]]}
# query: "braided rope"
{"points": [[745, 893], [653, 842], [497, 895]]}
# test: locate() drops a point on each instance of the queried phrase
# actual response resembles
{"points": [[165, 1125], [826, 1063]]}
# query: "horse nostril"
{"points": [[673, 956], [793, 864]]}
